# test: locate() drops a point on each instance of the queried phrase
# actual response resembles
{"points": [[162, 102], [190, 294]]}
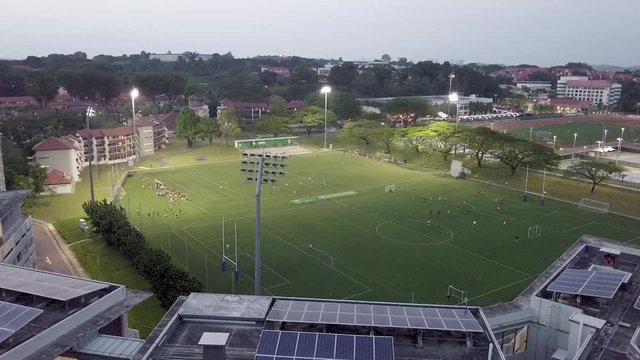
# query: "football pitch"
{"points": [[588, 133], [329, 229]]}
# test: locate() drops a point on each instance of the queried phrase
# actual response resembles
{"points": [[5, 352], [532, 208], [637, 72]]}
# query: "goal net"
{"points": [[534, 232], [456, 168], [390, 188], [594, 205]]}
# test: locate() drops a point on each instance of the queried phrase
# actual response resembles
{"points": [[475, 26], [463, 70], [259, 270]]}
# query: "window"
{"points": [[513, 341]]}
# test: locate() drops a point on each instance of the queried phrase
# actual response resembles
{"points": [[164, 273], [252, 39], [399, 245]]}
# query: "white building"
{"points": [[581, 88], [66, 154], [16, 241]]}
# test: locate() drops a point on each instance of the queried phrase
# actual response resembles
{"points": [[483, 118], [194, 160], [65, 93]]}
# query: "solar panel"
{"points": [[397, 316], [603, 284], [637, 305], [14, 317], [51, 286], [291, 345]]}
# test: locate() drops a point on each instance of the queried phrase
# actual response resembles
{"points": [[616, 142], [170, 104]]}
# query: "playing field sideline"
{"points": [[353, 240]]}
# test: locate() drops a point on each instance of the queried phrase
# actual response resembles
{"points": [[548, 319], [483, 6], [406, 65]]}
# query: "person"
{"points": [[504, 222], [428, 222], [516, 238], [474, 223]]}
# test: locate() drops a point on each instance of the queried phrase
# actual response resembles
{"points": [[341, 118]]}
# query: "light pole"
{"points": [[599, 142], [453, 97], [554, 143], [274, 164], [604, 139], [619, 144], [134, 94], [89, 114], [325, 90], [451, 76], [530, 133], [573, 151]]}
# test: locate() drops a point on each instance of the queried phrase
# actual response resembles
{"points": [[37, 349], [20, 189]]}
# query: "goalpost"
{"points": [[390, 188], [594, 205], [534, 232]]}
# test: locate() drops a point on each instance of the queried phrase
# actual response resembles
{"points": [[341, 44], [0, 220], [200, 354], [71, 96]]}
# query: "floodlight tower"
{"points": [[573, 151], [453, 97], [253, 166], [134, 94], [89, 114], [325, 90]]}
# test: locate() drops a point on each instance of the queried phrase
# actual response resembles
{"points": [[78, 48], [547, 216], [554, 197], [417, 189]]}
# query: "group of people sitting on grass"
{"points": [[378, 156], [164, 191]]}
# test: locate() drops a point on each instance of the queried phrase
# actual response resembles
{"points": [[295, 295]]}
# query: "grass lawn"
{"points": [[588, 133], [362, 243], [106, 264]]}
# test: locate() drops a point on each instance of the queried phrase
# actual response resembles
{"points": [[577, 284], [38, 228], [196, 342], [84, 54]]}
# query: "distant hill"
{"points": [[606, 67]]}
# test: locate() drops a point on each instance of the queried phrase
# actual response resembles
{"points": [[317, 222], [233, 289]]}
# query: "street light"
{"points": [[573, 151], [622, 134], [453, 97], [134, 95], [451, 76], [604, 139], [554, 143], [89, 114], [325, 90], [619, 143], [274, 164], [530, 133]]}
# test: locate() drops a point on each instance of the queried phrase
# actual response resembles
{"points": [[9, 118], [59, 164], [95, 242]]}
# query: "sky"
{"points": [[541, 32]]}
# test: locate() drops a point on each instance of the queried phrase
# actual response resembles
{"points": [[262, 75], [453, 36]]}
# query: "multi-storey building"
{"points": [[581, 88], [152, 135], [109, 146], [16, 236], [65, 154]]}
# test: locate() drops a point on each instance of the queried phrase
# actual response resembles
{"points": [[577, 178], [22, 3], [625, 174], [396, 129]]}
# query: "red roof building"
{"points": [[57, 177]]}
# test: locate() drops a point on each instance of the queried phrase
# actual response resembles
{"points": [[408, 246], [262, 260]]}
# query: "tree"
{"points": [[479, 141], [228, 124], [278, 106], [152, 85], [385, 136], [344, 105], [386, 57], [343, 75], [595, 171], [89, 83], [42, 87], [406, 110], [416, 137], [188, 126], [274, 125], [515, 152], [208, 129], [442, 137], [363, 130], [312, 117]]}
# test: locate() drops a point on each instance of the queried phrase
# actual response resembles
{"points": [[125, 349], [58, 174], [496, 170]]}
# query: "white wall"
{"points": [[63, 160]]}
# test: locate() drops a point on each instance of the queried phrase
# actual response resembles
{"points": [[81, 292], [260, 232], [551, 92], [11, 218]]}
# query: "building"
{"points": [[169, 57], [596, 91], [250, 112], [109, 146], [568, 106], [152, 135], [278, 70], [220, 326], [46, 315], [535, 85], [463, 101], [16, 243], [65, 154]]}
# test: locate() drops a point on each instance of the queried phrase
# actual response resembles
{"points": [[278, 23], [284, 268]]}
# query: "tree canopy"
{"points": [[595, 171], [188, 126], [228, 124]]}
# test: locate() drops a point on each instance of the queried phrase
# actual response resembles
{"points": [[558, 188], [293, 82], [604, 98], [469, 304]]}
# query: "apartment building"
{"points": [[16, 237], [109, 146]]}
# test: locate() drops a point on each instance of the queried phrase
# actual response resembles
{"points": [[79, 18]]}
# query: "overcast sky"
{"points": [[543, 32]]}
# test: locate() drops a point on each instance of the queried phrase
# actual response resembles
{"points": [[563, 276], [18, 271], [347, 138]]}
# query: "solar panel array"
{"points": [[46, 285], [637, 305], [395, 316], [291, 345], [14, 317], [603, 284]]}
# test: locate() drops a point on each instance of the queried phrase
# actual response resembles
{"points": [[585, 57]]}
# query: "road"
{"points": [[52, 253]]}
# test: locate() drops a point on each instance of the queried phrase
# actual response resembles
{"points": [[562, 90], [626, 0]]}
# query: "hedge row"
{"points": [[167, 281]]}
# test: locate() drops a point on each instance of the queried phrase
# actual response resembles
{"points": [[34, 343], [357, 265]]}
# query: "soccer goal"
{"points": [[534, 232], [594, 205], [390, 188]]}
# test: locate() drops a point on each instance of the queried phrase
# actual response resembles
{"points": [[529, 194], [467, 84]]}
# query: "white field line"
{"points": [[217, 183], [502, 287], [447, 244], [579, 226], [368, 289], [83, 240], [284, 279], [632, 240]]}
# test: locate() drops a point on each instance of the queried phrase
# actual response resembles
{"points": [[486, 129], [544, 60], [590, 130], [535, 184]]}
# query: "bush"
{"points": [[167, 281]]}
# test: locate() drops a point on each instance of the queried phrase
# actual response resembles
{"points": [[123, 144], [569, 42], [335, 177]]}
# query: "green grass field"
{"points": [[588, 133], [364, 245]]}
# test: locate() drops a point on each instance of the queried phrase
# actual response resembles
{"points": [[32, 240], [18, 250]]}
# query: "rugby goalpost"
{"points": [[594, 205]]}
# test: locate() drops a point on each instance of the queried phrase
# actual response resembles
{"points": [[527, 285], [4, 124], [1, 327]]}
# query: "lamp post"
{"points": [[573, 151], [134, 94], [619, 145], [275, 165], [604, 139], [622, 133], [554, 143], [530, 133], [599, 142], [325, 90], [89, 114], [453, 97], [451, 76]]}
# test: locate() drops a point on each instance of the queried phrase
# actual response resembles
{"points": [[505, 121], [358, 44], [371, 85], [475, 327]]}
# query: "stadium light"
{"points": [[325, 90], [134, 94], [453, 97], [554, 142], [89, 114], [261, 168], [451, 76], [622, 133], [604, 139]]}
